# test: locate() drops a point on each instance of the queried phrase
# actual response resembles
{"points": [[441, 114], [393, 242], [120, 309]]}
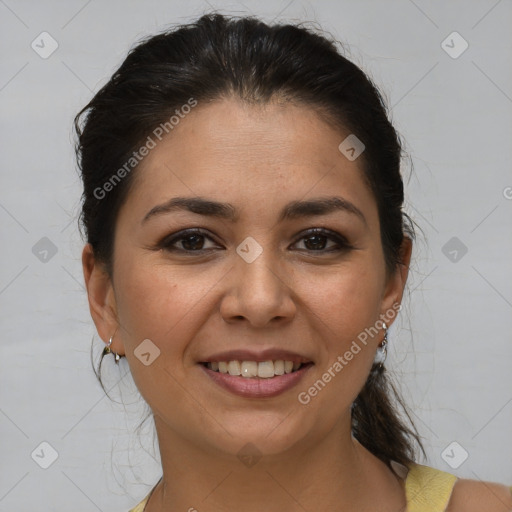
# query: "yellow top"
{"points": [[427, 489]]}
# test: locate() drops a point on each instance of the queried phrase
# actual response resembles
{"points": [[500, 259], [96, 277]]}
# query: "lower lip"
{"points": [[256, 387]]}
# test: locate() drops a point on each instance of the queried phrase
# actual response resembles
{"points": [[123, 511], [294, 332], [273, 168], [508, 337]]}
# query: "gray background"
{"points": [[451, 348]]}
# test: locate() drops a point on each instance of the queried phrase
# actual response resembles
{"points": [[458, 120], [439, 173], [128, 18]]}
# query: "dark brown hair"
{"points": [[219, 57]]}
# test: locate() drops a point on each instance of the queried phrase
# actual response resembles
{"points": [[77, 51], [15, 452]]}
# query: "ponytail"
{"points": [[376, 423]]}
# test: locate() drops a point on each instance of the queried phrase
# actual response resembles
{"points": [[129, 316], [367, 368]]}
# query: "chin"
{"points": [[262, 434]]}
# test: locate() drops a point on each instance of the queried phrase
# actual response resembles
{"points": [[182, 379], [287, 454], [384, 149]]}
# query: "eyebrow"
{"points": [[293, 210]]}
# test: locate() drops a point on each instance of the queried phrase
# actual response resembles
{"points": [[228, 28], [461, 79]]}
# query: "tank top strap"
{"points": [[428, 489], [142, 505]]}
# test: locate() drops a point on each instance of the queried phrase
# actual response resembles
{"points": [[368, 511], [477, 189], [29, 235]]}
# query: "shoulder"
{"points": [[476, 496], [432, 489]]}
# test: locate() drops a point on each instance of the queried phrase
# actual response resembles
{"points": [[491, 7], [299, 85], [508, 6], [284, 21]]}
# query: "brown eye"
{"points": [[190, 240], [316, 241], [194, 240]]}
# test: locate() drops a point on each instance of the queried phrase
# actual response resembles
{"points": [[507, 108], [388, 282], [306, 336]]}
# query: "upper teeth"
{"points": [[264, 369]]}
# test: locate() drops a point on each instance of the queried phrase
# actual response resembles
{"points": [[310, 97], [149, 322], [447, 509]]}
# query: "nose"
{"points": [[259, 293]]}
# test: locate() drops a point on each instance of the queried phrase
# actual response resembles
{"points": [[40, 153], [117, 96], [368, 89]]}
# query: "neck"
{"points": [[337, 473]]}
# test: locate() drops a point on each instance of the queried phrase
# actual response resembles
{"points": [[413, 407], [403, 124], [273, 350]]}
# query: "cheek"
{"points": [[346, 301], [346, 311], [154, 302]]}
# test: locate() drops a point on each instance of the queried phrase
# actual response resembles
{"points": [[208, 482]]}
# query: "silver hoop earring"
{"points": [[107, 350]]}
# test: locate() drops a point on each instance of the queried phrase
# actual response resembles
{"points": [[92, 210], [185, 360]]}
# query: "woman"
{"points": [[247, 252]]}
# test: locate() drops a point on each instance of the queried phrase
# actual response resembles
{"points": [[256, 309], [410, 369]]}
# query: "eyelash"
{"points": [[168, 242]]}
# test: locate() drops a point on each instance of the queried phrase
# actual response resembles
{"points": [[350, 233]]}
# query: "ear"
{"points": [[395, 284], [100, 294]]}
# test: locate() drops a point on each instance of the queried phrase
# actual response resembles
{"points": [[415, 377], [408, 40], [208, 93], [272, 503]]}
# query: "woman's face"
{"points": [[255, 278]]}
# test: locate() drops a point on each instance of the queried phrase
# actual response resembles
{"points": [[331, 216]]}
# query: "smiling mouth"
{"points": [[253, 369]]}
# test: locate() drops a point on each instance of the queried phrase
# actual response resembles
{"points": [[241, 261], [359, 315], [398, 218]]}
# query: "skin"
{"points": [[192, 305]]}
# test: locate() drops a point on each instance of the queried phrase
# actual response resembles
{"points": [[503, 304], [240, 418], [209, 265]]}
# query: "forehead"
{"points": [[272, 152]]}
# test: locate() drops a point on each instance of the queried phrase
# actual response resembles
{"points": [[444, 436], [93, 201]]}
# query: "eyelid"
{"points": [[321, 231]]}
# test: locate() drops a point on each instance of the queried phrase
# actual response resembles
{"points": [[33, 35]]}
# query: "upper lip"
{"points": [[270, 354]]}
